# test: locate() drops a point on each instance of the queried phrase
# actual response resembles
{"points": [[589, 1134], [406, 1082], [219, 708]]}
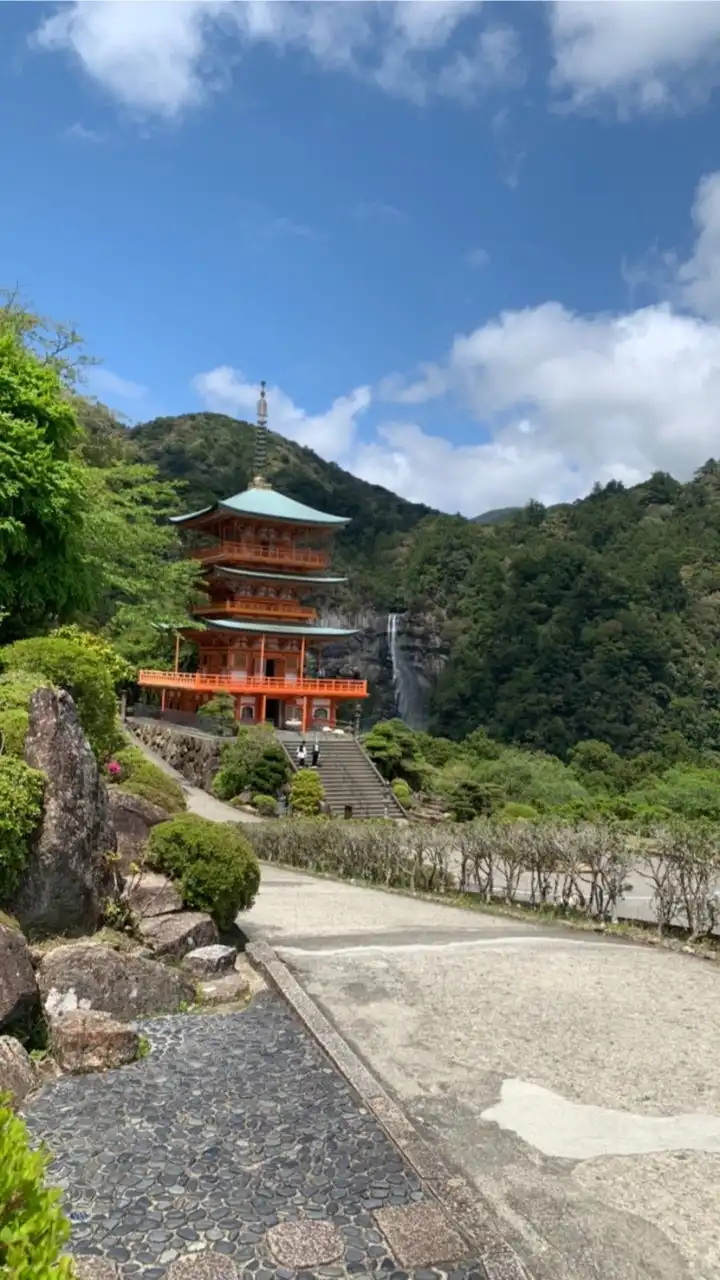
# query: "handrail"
{"points": [[241, 683], [257, 605], [253, 552]]}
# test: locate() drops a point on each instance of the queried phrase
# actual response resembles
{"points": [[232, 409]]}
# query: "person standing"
{"points": [[315, 754], [301, 755]]}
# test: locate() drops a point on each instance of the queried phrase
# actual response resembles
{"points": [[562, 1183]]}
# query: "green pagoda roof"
{"points": [[276, 577], [274, 628], [267, 504]]}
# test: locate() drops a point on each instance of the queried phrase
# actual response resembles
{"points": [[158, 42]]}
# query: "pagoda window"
{"points": [[247, 713]]}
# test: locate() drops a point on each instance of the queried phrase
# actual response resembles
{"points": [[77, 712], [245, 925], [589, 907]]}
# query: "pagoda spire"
{"points": [[261, 442]]}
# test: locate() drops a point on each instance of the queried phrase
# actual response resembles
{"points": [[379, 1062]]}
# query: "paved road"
{"points": [[574, 1079]]}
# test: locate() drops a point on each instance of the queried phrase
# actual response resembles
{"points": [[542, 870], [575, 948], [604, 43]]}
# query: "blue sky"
{"points": [[474, 248]]}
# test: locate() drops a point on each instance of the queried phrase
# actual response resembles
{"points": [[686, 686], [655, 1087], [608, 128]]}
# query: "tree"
{"points": [[43, 577]]}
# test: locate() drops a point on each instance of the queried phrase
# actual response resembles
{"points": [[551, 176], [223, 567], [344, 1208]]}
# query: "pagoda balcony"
{"points": [[245, 553], [237, 682], [258, 608]]}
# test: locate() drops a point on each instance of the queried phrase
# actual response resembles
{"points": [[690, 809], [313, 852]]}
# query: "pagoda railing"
{"points": [[237, 682], [254, 553], [256, 607]]}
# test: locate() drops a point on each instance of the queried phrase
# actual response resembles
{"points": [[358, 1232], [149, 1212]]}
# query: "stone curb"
{"points": [[471, 1215]]}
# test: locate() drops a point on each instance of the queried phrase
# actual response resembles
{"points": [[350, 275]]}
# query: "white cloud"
{"points": [[331, 434], [642, 55], [699, 277], [77, 132], [367, 210], [567, 399], [477, 258], [164, 57], [107, 385]]}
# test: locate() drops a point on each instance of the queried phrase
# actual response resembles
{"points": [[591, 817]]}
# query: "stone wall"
{"points": [[195, 755]]}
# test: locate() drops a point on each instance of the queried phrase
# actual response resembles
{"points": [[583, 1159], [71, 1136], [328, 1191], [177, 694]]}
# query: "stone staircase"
{"points": [[348, 775]]}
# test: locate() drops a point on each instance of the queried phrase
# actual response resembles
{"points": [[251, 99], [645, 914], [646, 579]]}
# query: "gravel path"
{"points": [[232, 1124]]}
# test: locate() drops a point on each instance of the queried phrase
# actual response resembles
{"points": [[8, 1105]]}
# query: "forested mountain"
{"points": [[213, 456], [598, 619]]}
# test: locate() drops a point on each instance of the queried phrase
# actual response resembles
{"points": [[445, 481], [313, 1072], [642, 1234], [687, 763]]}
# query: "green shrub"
{"points": [[306, 793], [213, 866], [21, 800], [33, 1228], [13, 731], [266, 805], [402, 792], [140, 777], [513, 811], [253, 762], [220, 711], [71, 665], [470, 798], [120, 671]]}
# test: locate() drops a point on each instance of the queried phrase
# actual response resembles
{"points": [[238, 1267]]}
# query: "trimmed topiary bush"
{"points": [[306, 793], [212, 865], [402, 792], [33, 1228], [140, 777], [120, 671], [71, 665], [265, 805], [21, 801], [14, 723]]}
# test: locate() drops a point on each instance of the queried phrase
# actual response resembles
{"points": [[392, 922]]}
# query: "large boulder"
{"points": [[92, 1041], [92, 976], [133, 818], [70, 875], [173, 936], [18, 988], [150, 894], [17, 1070]]}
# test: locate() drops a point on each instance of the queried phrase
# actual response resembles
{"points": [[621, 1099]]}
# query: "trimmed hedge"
{"points": [[212, 865], [33, 1228], [140, 777]]}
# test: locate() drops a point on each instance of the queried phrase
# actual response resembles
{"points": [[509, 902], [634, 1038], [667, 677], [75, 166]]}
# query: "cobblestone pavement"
{"points": [[232, 1124]]}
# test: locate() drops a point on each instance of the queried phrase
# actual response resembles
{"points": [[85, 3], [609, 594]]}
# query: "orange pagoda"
{"points": [[265, 557]]}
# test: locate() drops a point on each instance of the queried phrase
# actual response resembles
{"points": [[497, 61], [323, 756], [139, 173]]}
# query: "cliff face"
{"points": [[400, 655]]}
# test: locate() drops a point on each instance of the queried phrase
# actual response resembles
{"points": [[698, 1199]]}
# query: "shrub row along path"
{"points": [[573, 1079]]}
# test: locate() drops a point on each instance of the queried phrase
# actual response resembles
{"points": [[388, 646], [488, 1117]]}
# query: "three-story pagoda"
{"points": [[266, 557]]}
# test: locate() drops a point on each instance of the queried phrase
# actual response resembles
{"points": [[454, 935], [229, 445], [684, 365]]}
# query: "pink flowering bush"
{"points": [[113, 768]]}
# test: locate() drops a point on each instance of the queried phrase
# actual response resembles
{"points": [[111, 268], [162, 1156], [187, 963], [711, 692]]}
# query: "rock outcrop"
{"points": [[92, 1041], [18, 988], [84, 976], [149, 894], [172, 937], [195, 755], [205, 962], [69, 876], [17, 1070], [132, 818]]}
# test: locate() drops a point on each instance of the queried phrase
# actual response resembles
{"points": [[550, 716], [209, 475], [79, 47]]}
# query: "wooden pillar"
{"points": [[302, 658], [262, 654], [305, 714], [177, 651], [263, 707], [162, 701], [333, 713]]}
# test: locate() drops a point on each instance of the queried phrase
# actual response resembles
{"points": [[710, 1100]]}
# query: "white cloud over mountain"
{"points": [[562, 399]]}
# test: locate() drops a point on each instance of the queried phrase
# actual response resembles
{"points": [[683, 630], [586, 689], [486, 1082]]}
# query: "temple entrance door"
{"points": [[272, 711]]}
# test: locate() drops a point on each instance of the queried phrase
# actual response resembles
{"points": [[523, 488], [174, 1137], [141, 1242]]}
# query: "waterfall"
{"points": [[408, 696]]}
